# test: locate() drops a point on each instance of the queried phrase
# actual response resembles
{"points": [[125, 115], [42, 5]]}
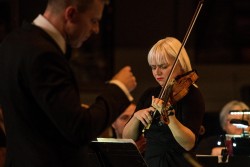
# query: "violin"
{"points": [[181, 84], [176, 90], [179, 89]]}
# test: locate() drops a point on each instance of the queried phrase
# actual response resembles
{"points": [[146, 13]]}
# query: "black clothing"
{"points": [[45, 123], [206, 145], [162, 150], [2, 138]]}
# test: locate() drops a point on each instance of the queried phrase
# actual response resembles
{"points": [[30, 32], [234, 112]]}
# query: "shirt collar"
{"points": [[43, 23]]}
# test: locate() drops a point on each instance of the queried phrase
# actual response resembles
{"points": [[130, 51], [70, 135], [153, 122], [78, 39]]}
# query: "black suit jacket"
{"points": [[45, 123]]}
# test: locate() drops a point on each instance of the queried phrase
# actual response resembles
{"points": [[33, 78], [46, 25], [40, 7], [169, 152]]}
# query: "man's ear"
{"points": [[70, 13], [113, 125]]}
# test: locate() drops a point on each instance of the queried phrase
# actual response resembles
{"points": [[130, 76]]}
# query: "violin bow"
{"points": [[166, 89], [197, 11]]}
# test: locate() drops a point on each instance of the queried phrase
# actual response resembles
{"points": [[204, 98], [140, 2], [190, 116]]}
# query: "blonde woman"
{"points": [[167, 143]]}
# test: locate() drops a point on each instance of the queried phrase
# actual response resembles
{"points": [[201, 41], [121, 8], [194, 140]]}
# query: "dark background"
{"points": [[218, 46], [221, 33]]}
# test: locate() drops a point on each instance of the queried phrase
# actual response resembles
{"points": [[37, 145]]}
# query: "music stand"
{"points": [[115, 153]]}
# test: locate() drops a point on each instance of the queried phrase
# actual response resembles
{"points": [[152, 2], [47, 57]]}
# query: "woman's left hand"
{"points": [[157, 104]]}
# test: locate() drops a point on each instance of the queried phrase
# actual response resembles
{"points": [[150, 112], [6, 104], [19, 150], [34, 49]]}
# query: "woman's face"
{"points": [[161, 71]]}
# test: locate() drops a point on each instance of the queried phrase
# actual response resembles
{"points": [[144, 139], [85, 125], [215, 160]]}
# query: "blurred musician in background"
{"points": [[214, 145], [120, 122]]}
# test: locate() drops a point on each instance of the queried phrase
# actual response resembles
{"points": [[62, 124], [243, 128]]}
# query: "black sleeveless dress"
{"points": [[162, 150]]}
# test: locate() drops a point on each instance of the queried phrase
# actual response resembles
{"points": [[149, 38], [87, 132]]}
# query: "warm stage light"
{"points": [[239, 123]]}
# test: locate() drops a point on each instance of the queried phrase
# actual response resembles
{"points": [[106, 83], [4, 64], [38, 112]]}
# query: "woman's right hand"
{"points": [[145, 115]]}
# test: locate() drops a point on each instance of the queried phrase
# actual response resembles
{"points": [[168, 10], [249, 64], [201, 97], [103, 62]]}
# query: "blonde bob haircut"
{"points": [[167, 49]]}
